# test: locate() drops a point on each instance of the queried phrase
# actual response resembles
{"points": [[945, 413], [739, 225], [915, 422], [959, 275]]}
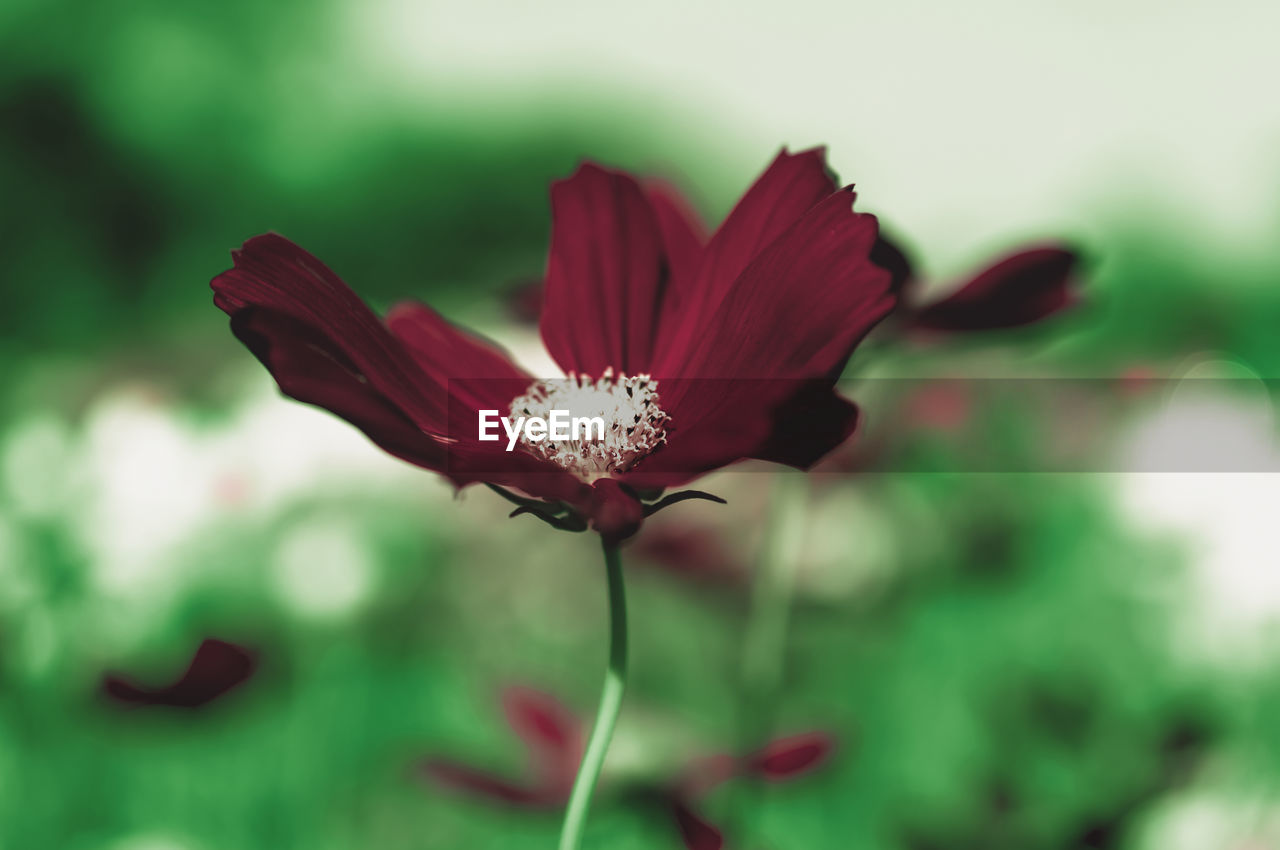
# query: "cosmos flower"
{"points": [[701, 351], [553, 736]]}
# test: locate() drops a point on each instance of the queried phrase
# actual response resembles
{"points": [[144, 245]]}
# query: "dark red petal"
{"points": [[325, 347], [799, 308], [809, 424], [553, 739], [477, 372], [788, 188], [445, 351], [480, 783], [308, 367], [606, 274], [735, 427], [696, 832], [793, 317], [886, 254], [216, 668], [540, 719], [311, 368], [1018, 290], [787, 758], [684, 239], [272, 273], [549, 730]]}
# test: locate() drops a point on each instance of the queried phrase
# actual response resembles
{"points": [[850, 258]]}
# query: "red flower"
{"points": [[715, 350], [553, 738]]}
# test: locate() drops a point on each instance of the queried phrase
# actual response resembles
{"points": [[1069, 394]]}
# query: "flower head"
{"points": [[696, 352], [635, 423]]}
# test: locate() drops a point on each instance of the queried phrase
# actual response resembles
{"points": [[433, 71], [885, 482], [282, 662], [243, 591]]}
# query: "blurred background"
{"points": [[227, 621]]}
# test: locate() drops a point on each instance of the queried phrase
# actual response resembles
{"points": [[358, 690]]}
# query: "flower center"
{"points": [[634, 423]]}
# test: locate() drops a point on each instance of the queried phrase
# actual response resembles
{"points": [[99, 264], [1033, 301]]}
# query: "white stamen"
{"points": [[634, 423]]}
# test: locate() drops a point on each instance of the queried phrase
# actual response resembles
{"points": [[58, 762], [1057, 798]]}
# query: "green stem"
{"points": [[615, 682], [764, 639]]}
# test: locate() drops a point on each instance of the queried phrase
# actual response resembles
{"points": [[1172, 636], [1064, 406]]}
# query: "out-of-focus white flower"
{"points": [[39, 467], [154, 478], [17, 578], [1213, 821], [1225, 518], [322, 568]]}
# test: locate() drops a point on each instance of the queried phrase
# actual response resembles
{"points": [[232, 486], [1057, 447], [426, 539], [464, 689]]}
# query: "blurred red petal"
{"points": [[695, 831], [549, 730], [216, 668], [946, 405], [479, 783], [787, 758], [1023, 288], [886, 254], [807, 424]]}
